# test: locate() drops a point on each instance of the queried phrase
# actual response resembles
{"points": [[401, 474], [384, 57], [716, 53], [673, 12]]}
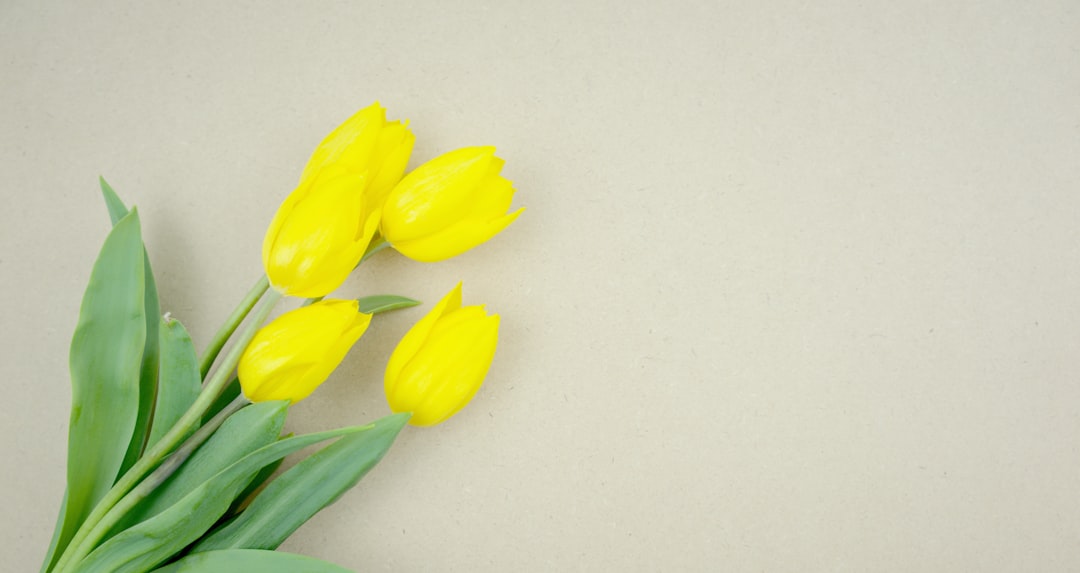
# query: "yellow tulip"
{"points": [[290, 357], [448, 205], [441, 362], [323, 228], [366, 142]]}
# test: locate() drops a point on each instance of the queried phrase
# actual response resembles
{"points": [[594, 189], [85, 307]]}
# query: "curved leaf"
{"points": [[298, 494], [149, 372], [375, 304], [179, 382], [116, 207], [149, 543], [106, 359], [51, 553], [250, 560]]}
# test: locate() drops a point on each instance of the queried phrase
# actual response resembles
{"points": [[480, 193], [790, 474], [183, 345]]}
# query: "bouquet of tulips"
{"points": [[173, 456]]}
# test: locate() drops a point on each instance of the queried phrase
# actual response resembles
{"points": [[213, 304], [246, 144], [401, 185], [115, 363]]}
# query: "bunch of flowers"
{"points": [[172, 456]]}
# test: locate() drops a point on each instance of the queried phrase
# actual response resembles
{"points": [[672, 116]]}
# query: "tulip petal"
{"points": [[284, 383], [418, 334], [290, 357], [353, 139], [324, 219], [322, 238], [280, 217], [393, 151], [454, 240], [449, 370], [493, 199], [302, 332], [437, 193]]}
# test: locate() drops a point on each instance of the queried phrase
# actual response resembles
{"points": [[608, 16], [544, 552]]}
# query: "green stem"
{"points": [[234, 320], [81, 544], [163, 471]]}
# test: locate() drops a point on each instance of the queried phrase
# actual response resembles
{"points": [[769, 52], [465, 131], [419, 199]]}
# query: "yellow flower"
{"points": [[366, 142], [323, 228], [441, 362], [448, 205], [290, 357]]}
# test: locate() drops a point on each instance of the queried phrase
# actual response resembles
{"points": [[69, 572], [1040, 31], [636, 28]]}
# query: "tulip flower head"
{"points": [[290, 357], [366, 143], [321, 231], [441, 362], [449, 205]]}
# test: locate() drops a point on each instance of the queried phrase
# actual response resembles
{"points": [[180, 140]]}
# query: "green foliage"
{"points": [[250, 560], [260, 480], [298, 494], [51, 554], [179, 382], [384, 303], [151, 542], [227, 396], [148, 377], [244, 432], [134, 376], [106, 361]]}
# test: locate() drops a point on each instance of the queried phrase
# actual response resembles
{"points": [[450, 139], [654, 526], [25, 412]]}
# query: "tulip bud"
{"points": [[323, 228], [448, 205], [441, 362], [290, 357]]}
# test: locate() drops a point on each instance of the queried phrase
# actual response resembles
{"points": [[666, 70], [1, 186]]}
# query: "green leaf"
{"points": [[298, 494], [257, 482], [179, 382], [244, 432], [116, 207], [250, 560], [224, 399], [56, 536], [106, 358], [148, 374], [384, 302], [149, 543], [148, 377]]}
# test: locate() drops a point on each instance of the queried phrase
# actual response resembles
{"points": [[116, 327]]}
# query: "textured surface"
{"points": [[796, 288]]}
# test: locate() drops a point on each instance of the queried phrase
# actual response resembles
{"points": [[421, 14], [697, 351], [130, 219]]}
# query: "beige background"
{"points": [[796, 289]]}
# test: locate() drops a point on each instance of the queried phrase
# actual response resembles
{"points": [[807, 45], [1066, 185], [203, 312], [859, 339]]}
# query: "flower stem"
{"points": [[82, 543], [234, 320]]}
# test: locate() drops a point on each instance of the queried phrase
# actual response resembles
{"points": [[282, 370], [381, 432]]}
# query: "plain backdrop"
{"points": [[796, 288]]}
